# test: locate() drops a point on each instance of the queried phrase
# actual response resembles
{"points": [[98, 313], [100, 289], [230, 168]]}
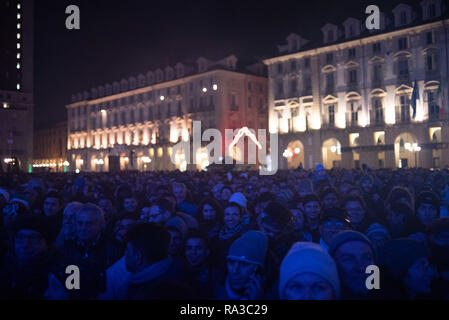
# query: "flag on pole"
{"points": [[415, 96]]}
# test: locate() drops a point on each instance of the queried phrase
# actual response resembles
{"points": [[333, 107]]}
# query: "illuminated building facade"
{"points": [[348, 100], [50, 149], [133, 124], [16, 84]]}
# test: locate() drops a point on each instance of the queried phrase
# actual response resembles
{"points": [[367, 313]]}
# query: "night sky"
{"points": [[122, 38]]}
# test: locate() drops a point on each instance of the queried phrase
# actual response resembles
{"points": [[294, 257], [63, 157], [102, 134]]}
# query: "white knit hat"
{"points": [[308, 257], [238, 198]]}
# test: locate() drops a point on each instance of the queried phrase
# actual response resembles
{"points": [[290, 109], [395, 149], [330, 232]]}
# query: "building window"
{"points": [[280, 90], [403, 68], [429, 62], [351, 30], [377, 73], [429, 37], [140, 115], [293, 65], [331, 116], [352, 77], [378, 111], [329, 82], [329, 58], [354, 114], [351, 53], [403, 17], [115, 119], [431, 10], [405, 109], [330, 36], [293, 86], [402, 43], [279, 68], [307, 62], [250, 102], [307, 85], [434, 108], [123, 117], [376, 47]]}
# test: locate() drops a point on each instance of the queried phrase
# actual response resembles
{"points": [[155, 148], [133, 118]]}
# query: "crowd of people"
{"points": [[297, 235]]}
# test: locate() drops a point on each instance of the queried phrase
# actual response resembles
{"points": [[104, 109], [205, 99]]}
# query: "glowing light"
{"points": [[77, 170], [18, 65], [204, 89], [215, 87], [334, 148], [287, 153], [18, 26], [146, 159], [18, 56], [18, 6], [103, 111], [18, 45], [297, 150], [162, 98], [18, 16], [18, 36], [18, 86], [5, 105], [8, 160], [249, 134], [66, 163], [183, 166]]}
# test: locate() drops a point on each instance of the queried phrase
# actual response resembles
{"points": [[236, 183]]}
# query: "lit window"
{"points": [[18, 66], [18, 56], [18, 26], [18, 36], [215, 87], [18, 45], [18, 86], [18, 6], [18, 16]]}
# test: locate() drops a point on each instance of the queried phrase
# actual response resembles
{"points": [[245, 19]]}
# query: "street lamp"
{"points": [[415, 148]]}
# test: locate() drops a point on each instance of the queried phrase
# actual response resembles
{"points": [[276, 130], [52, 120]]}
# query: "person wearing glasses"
{"points": [[332, 221]]}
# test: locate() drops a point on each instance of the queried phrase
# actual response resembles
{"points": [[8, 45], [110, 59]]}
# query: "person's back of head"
{"points": [[151, 240]]}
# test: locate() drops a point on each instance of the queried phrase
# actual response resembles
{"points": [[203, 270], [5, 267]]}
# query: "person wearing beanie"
{"points": [[406, 266], [17, 206], [178, 232], [305, 268], [353, 252], [238, 198], [400, 220], [245, 264], [332, 221], [427, 206], [312, 210], [378, 234], [24, 274]]}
